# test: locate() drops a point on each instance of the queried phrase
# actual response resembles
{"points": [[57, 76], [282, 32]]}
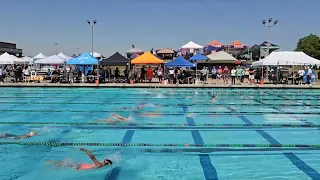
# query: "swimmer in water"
{"points": [[214, 99], [83, 166], [12, 136], [112, 120]]}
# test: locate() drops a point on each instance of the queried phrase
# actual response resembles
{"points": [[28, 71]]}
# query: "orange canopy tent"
{"points": [[215, 43], [237, 44], [147, 58]]}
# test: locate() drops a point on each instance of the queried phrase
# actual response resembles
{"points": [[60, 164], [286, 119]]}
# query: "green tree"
{"points": [[310, 45]]}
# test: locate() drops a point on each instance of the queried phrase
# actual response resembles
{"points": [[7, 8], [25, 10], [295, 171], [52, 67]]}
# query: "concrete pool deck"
{"points": [[156, 85]]}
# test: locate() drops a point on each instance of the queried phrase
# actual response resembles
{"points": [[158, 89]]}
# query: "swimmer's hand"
{"points": [[83, 149]]}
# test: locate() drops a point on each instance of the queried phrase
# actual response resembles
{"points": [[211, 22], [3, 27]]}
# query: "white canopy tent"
{"points": [[96, 55], [23, 60], [64, 56], [192, 45], [286, 58], [221, 57], [51, 60], [6, 58], [39, 56]]}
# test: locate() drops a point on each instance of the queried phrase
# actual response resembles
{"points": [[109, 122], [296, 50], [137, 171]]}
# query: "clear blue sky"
{"points": [[35, 25]]}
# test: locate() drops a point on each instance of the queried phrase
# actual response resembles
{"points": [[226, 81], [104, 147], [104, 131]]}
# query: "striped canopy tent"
{"points": [[147, 58]]}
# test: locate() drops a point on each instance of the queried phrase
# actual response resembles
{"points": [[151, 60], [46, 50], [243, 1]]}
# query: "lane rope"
{"points": [[165, 124], [199, 104], [163, 112], [57, 144]]}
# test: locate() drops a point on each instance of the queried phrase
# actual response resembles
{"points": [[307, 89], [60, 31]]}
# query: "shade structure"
{"points": [[6, 58], [166, 51], [134, 50], [215, 43], [23, 60], [147, 58], [134, 56], [287, 58], [192, 45], [83, 59], [199, 57], [64, 56], [179, 62], [115, 60], [51, 60], [237, 44], [96, 55], [221, 57], [39, 56]]}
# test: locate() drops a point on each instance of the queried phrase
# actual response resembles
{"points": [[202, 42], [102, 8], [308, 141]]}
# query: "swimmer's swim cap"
{"points": [[32, 133]]}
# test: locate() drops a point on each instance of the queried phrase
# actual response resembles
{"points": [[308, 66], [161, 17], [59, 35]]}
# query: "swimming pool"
{"points": [[179, 134]]}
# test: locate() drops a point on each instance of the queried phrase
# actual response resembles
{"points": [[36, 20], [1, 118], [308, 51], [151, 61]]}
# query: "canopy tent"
{"points": [[64, 56], [267, 48], [134, 51], [51, 60], [166, 51], [83, 59], [215, 43], [237, 44], [192, 45], [96, 55], [134, 56], [199, 57], [179, 62], [286, 58], [115, 60], [23, 60], [221, 57], [39, 56], [6, 58], [147, 58]]}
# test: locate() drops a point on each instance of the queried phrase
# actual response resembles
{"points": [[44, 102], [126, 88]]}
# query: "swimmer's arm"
{"points": [[120, 117], [92, 157]]}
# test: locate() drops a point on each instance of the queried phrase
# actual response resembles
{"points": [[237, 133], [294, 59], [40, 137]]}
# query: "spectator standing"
{"points": [[225, 75], [233, 76], [219, 74], [301, 74], [239, 75], [251, 74], [214, 72], [160, 74]]}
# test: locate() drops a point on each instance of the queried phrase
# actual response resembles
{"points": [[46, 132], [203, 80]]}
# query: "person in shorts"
{"points": [[219, 74], [251, 74], [239, 74]]}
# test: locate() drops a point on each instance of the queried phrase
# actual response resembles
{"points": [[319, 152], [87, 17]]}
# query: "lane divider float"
{"points": [[165, 124], [57, 144]]}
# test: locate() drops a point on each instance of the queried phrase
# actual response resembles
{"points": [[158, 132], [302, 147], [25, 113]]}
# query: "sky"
{"points": [[36, 25]]}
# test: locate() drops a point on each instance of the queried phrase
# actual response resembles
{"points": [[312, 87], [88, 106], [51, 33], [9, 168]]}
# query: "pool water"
{"points": [[178, 116]]}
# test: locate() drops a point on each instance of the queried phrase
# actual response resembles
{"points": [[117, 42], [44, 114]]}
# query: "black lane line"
{"points": [[209, 170], [295, 160]]}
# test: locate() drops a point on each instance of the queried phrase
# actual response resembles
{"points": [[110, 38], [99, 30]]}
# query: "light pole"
{"points": [[56, 44], [92, 25], [269, 25]]}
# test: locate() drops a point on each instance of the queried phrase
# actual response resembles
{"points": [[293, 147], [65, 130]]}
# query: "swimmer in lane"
{"points": [[143, 106], [83, 166], [214, 99], [12, 136], [112, 120]]}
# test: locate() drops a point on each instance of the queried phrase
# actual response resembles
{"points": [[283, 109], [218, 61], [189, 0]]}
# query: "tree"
{"points": [[310, 45]]}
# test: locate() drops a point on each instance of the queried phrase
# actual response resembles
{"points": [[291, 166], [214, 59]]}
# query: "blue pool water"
{"points": [[179, 116]]}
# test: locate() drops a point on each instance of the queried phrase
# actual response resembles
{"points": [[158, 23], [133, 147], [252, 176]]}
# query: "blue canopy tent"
{"points": [[198, 57], [83, 59], [179, 62]]}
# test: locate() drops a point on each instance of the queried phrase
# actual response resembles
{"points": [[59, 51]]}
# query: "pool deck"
{"points": [[156, 85]]}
